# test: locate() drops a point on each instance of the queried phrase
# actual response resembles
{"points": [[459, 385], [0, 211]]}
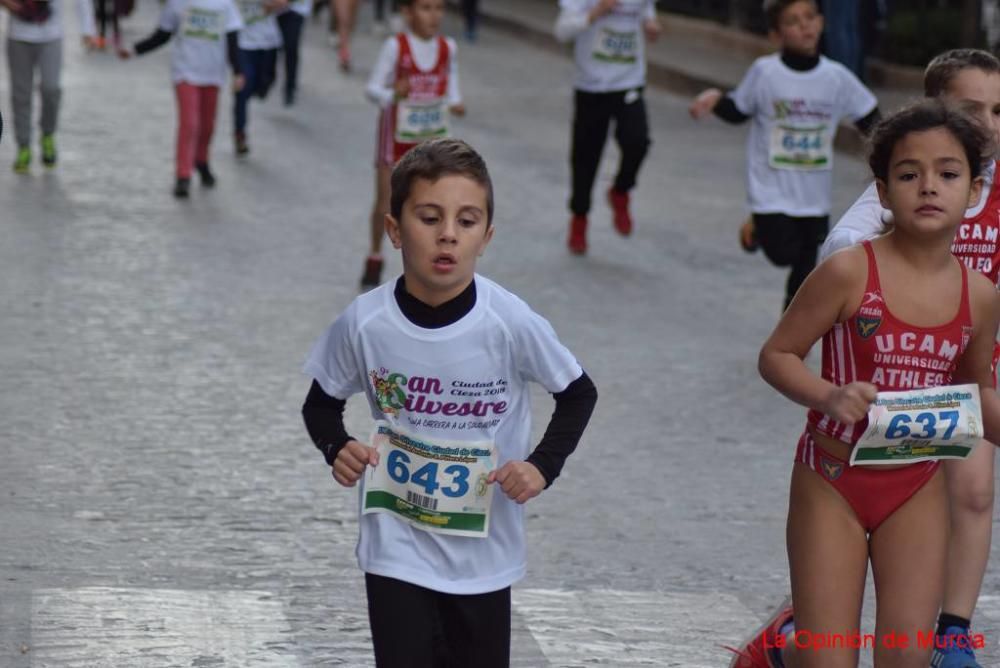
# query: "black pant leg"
{"points": [[291, 34], [812, 232], [405, 623], [632, 135], [591, 120], [477, 629]]}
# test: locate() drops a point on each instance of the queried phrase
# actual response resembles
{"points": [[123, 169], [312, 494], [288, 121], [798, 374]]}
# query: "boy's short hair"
{"points": [[433, 159], [977, 142], [773, 9], [943, 68]]}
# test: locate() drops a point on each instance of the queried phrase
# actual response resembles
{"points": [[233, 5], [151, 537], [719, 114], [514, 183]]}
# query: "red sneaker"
{"points": [[756, 651], [619, 205], [577, 241]]}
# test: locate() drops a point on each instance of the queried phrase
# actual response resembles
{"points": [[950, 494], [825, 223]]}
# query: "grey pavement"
{"points": [[160, 502]]}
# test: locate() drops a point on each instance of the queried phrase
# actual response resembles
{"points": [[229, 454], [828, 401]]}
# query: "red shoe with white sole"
{"points": [[577, 241], [619, 207]]}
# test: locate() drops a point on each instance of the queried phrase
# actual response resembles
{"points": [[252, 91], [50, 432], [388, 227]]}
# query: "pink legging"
{"points": [[196, 122]]}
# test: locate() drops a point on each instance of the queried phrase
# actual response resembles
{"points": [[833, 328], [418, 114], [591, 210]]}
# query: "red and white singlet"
{"points": [[977, 241], [874, 346], [423, 114]]}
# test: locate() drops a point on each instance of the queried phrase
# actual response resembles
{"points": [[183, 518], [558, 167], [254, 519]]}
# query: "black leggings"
{"points": [[415, 627], [791, 242], [594, 112], [290, 24]]}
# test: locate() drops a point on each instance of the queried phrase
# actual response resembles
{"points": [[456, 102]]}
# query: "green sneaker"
{"points": [[23, 161], [48, 150]]}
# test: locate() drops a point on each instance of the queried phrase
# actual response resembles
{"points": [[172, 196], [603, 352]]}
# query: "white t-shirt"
{"points": [[199, 27], [425, 54], [795, 118], [303, 7], [260, 29], [866, 219], [501, 344], [610, 54], [51, 29]]}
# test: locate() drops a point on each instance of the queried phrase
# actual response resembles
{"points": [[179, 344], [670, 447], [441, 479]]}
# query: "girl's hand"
{"points": [[239, 81], [652, 28], [351, 462], [457, 109], [601, 8], [401, 88], [705, 102], [849, 403], [520, 481]]}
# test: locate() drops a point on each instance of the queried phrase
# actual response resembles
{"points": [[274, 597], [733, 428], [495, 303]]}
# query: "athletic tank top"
{"points": [[976, 241], [874, 346], [427, 88]]}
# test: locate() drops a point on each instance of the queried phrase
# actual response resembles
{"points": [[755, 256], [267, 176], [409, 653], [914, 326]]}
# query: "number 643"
{"points": [[900, 425]]}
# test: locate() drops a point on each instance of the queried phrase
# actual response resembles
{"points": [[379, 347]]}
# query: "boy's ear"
{"points": [[392, 230], [882, 189], [975, 190]]}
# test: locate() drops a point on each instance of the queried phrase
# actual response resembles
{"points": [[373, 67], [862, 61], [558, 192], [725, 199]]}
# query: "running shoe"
{"points": [[756, 651], [289, 97], [49, 150], [577, 241], [182, 188], [22, 163], [372, 277], [748, 236], [619, 205], [953, 649], [207, 177], [240, 142]]}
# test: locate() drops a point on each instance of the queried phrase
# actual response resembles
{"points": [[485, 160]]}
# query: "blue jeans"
{"points": [[843, 34], [290, 24], [259, 69]]}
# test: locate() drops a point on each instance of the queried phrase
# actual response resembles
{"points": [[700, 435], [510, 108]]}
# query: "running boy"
{"points": [[610, 55], [415, 85], [35, 41], [206, 34], [259, 42], [796, 99], [970, 79], [444, 357], [867, 303]]}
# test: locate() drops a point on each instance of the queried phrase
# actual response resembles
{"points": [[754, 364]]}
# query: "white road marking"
{"points": [[621, 628], [146, 628]]}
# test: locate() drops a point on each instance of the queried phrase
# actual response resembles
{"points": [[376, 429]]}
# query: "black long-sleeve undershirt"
{"points": [[161, 37], [324, 415]]}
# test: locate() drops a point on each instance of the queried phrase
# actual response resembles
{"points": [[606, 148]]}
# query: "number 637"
{"points": [[899, 426]]}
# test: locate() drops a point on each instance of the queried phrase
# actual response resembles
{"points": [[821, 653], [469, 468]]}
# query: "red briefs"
{"points": [[873, 493]]}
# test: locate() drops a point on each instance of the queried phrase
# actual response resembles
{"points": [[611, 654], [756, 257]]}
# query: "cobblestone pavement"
{"points": [[160, 503]]}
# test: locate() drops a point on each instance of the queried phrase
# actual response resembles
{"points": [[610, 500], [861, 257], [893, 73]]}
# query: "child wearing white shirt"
{"points": [[444, 357]]}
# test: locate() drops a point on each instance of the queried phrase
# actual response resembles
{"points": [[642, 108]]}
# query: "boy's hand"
{"points": [[652, 29], [849, 403], [600, 9], [520, 481], [351, 462], [705, 102], [457, 110], [239, 81], [401, 88]]}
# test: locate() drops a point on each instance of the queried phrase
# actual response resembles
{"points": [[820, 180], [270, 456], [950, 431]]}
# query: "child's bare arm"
{"points": [[821, 302], [975, 365], [704, 103]]}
